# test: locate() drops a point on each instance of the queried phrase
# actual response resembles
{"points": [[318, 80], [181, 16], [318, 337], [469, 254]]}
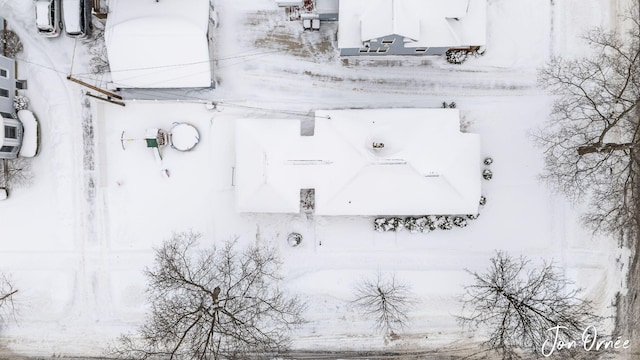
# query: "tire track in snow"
{"points": [[392, 87], [62, 138]]}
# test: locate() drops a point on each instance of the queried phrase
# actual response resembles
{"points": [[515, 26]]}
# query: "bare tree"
{"points": [[591, 140], [98, 63], [17, 172], [520, 307], [385, 299], [7, 291], [212, 303]]}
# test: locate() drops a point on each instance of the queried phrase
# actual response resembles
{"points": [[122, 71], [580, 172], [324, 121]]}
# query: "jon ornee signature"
{"points": [[589, 341]]}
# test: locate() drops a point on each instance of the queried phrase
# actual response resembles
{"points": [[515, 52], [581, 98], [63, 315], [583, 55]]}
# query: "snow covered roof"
{"points": [[427, 166], [30, 133], [427, 23], [158, 44]]}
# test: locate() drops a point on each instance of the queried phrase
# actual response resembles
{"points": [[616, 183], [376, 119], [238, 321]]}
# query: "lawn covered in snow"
{"points": [[76, 239]]}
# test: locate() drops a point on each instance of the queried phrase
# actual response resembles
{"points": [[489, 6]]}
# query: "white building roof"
{"points": [[428, 23], [158, 44], [427, 166]]}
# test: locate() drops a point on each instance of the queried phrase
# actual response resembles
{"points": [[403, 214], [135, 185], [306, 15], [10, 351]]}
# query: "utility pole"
{"points": [[107, 99], [102, 91]]}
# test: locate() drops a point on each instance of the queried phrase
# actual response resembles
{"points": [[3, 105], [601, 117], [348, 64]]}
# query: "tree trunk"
{"points": [[606, 147]]}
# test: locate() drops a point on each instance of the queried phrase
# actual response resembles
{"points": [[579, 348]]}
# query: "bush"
{"points": [[451, 105], [456, 56], [432, 222], [422, 224], [10, 43], [390, 224], [395, 224], [445, 223], [459, 221], [20, 103], [411, 224]]}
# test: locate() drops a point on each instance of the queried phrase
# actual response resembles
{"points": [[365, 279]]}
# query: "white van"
{"points": [[76, 16]]}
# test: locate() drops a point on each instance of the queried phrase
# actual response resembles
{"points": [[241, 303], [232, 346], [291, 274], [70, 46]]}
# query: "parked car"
{"points": [[76, 16], [48, 17]]}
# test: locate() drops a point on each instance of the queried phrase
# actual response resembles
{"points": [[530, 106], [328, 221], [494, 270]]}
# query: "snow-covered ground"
{"points": [[77, 239]]}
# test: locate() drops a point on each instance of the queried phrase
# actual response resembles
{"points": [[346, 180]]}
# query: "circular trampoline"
{"points": [[184, 137]]}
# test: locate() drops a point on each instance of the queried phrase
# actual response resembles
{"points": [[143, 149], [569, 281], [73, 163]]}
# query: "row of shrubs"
{"points": [[425, 223], [422, 224]]}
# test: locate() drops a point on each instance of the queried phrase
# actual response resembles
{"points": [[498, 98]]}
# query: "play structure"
{"points": [[182, 137]]}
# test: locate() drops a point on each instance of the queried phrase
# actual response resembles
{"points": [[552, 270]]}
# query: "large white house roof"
{"points": [[158, 44], [425, 23], [427, 166]]}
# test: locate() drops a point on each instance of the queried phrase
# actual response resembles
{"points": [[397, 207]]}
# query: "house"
{"points": [[10, 128], [18, 136], [7, 84], [410, 27], [359, 162], [165, 44]]}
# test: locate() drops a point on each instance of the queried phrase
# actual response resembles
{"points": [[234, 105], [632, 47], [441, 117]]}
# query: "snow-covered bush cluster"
{"points": [[425, 223], [486, 173], [451, 105], [483, 201], [388, 224], [422, 224], [11, 44], [456, 56], [20, 103]]}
